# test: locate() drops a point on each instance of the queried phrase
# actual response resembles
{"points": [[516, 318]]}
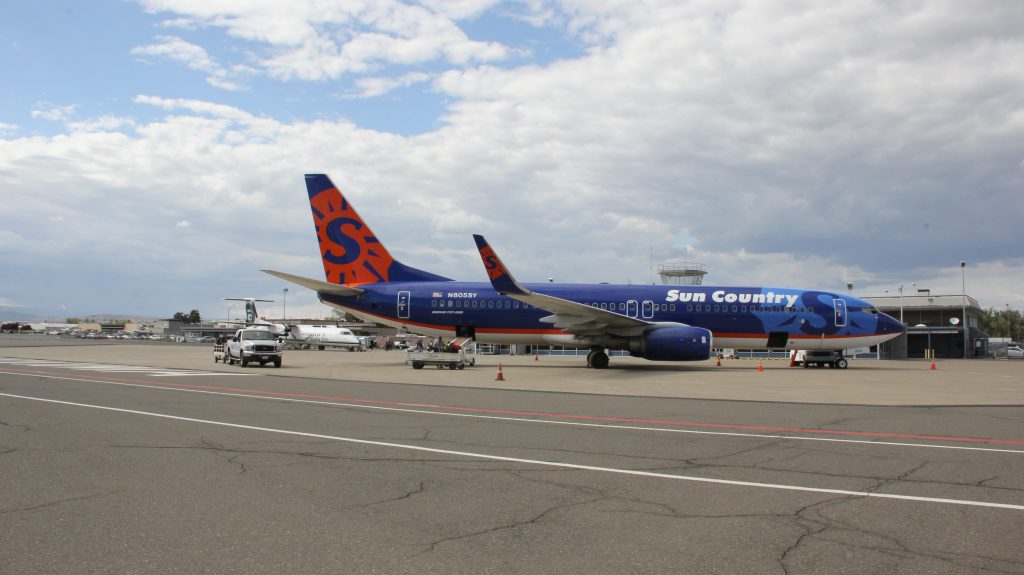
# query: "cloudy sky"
{"points": [[152, 151]]}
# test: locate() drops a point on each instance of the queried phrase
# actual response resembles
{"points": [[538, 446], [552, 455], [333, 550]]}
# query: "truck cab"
{"points": [[253, 344]]}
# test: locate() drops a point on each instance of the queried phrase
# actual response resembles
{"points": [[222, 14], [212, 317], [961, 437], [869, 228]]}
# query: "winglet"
{"points": [[502, 281]]}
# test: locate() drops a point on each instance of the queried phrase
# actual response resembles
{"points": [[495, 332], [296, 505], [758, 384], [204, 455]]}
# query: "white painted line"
{"points": [[113, 368], [539, 462], [542, 421]]}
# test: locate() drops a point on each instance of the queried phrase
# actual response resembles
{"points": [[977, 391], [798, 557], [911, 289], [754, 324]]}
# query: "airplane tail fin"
{"points": [[250, 307], [351, 253]]}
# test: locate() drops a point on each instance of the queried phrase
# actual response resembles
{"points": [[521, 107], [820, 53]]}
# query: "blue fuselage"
{"points": [[738, 317]]}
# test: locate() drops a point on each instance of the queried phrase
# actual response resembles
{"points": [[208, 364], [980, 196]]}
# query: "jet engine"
{"points": [[682, 343]]}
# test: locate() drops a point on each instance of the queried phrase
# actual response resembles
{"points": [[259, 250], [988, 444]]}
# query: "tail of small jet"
{"points": [[251, 316], [351, 253]]}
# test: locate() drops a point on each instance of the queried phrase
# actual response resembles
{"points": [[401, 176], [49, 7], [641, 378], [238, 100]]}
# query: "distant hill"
{"points": [[26, 316], [12, 314]]}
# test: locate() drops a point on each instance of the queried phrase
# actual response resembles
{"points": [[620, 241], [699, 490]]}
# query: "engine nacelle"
{"points": [[682, 343]]}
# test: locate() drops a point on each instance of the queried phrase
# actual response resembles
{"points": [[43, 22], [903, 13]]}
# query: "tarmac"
{"points": [[953, 382], [124, 456]]}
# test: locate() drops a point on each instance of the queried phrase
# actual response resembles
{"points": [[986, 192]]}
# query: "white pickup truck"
{"points": [[252, 344]]}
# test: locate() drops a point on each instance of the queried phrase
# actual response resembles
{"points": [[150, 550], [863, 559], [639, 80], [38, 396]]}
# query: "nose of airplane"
{"points": [[889, 324]]}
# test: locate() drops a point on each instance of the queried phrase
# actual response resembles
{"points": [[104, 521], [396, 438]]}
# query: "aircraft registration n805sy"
{"points": [[656, 322]]}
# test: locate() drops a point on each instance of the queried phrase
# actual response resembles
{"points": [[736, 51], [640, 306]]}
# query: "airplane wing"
{"points": [[573, 317], [316, 285]]}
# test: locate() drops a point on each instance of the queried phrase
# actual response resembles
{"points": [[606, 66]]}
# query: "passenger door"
{"points": [[403, 304]]}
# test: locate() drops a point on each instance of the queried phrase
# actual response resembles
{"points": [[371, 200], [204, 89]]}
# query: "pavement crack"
{"points": [[507, 526], [23, 428], [57, 502], [421, 488]]}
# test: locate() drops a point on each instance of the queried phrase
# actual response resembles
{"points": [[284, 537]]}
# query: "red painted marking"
{"points": [[563, 416]]}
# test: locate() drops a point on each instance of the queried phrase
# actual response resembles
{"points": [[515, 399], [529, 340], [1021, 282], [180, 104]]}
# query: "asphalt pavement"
{"points": [[124, 459]]}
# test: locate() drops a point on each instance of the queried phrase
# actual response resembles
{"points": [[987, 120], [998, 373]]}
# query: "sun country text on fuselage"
{"points": [[672, 323]]}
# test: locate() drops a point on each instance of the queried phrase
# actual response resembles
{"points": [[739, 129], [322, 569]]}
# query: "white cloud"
{"points": [[197, 106], [53, 112], [7, 130], [183, 224], [196, 58], [106, 123], [311, 40], [373, 87]]}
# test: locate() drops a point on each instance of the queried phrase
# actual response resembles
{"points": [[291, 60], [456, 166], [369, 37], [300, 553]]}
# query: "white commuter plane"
{"points": [[320, 336]]}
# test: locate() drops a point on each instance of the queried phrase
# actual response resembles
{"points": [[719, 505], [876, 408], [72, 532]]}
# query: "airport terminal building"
{"points": [[935, 326]]}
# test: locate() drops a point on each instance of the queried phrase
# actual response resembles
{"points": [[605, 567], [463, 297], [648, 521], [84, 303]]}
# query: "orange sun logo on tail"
{"points": [[351, 253]]}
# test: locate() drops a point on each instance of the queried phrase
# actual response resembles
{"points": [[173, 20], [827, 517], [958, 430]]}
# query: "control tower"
{"points": [[682, 273]]}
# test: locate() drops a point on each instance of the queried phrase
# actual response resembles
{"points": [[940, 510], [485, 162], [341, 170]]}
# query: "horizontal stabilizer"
{"points": [[317, 285]]}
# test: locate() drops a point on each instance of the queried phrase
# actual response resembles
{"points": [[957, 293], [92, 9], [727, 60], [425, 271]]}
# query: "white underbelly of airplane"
{"points": [[805, 343]]}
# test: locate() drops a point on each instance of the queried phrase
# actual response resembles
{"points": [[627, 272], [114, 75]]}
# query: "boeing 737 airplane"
{"points": [[656, 322]]}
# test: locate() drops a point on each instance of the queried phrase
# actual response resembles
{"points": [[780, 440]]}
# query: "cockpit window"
{"points": [[871, 309]]}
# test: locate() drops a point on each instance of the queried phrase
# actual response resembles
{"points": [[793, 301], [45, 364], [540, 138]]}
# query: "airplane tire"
{"points": [[599, 360]]}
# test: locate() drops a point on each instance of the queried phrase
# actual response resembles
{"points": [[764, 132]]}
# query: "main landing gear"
{"points": [[597, 359]]}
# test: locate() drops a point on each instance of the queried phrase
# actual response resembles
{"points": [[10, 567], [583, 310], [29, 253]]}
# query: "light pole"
{"points": [[230, 307], [963, 296], [285, 312], [901, 303]]}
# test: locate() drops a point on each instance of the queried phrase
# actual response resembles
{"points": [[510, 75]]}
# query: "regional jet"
{"points": [[659, 323], [320, 336]]}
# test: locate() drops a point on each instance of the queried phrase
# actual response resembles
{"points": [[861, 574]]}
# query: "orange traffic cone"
{"points": [[792, 360], [718, 361], [933, 364], [759, 366], [535, 358], [501, 376]]}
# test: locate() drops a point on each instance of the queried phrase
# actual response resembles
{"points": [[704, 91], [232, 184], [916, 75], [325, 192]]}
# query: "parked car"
{"points": [[1015, 351]]}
